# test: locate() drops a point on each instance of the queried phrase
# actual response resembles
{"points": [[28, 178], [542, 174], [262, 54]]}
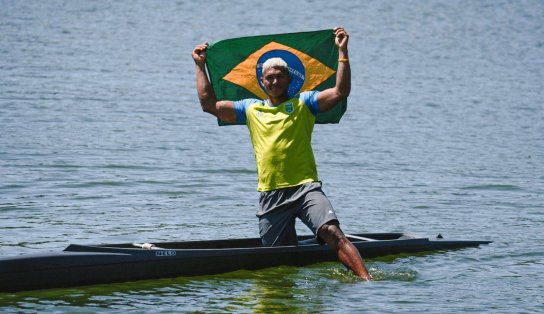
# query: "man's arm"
{"points": [[328, 98], [224, 110]]}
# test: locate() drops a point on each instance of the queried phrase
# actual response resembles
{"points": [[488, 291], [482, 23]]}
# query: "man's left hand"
{"points": [[342, 37]]}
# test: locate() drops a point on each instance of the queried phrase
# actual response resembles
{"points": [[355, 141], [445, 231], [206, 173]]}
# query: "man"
{"points": [[281, 130]]}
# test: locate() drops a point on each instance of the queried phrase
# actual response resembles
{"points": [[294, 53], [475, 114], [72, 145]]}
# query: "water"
{"points": [[102, 140]]}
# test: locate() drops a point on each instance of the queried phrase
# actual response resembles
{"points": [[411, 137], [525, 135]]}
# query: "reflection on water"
{"points": [[279, 289]]}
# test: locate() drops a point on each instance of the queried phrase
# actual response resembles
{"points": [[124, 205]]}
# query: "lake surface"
{"points": [[102, 140]]}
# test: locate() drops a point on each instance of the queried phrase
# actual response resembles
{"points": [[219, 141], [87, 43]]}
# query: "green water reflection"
{"points": [[278, 289]]}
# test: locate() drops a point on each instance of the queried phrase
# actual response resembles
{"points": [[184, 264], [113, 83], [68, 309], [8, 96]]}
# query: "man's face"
{"points": [[276, 81]]}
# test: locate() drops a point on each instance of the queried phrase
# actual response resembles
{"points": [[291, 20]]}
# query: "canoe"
{"points": [[79, 265]]}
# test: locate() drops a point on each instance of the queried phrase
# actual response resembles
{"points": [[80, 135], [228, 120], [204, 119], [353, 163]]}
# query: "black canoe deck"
{"points": [[252, 243]]}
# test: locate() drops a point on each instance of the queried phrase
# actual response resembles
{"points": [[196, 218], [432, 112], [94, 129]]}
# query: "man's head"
{"points": [[276, 78], [276, 63]]}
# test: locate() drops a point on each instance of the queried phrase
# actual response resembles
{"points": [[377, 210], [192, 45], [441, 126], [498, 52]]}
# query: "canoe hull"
{"points": [[81, 265]]}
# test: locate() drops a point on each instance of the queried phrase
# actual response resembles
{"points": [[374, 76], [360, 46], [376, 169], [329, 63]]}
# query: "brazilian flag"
{"points": [[235, 66]]}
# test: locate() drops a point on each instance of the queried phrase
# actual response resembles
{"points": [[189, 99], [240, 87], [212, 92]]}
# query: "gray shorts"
{"points": [[279, 208]]}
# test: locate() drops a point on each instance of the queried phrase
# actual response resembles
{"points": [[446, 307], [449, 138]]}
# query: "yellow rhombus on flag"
{"points": [[235, 66]]}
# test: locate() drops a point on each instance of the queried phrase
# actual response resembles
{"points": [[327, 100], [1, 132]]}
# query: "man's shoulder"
{"points": [[241, 108], [248, 102], [308, 95], [308, 92], [309, 98]]}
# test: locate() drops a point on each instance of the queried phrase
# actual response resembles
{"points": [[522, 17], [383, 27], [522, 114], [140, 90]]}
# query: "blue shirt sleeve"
{"points": [[240, 107], [310, 99]]}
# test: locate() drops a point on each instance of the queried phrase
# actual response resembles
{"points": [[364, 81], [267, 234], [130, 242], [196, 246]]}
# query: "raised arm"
{"points": [[223, 110], [328, 98]]}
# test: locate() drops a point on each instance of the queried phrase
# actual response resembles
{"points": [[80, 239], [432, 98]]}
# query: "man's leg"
{"points": [[277, 228], [347, 252]]}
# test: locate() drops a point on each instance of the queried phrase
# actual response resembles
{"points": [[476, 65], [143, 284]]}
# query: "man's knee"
{"points": [[332, 234]]}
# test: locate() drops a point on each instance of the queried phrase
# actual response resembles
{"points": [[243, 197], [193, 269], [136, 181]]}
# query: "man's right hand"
{"points": [[199, 53]]}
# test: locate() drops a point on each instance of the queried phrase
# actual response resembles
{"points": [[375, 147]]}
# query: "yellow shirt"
{"points": [[281, 137]]}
